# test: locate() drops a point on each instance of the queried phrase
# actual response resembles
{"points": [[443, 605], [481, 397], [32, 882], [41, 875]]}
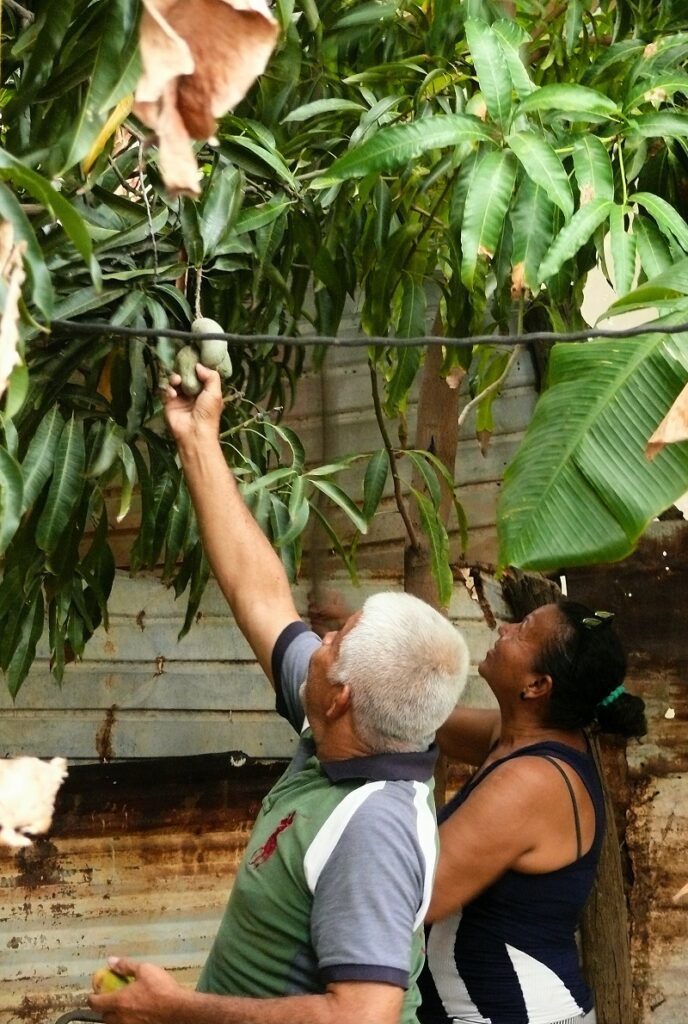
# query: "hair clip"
{"points": [[598, 619], [611, 697]]}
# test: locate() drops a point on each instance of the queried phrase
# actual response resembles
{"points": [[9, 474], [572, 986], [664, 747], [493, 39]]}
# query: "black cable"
{"points": [[361, 341]]}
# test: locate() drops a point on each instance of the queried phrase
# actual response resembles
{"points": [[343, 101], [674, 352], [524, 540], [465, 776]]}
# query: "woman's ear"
{"points": [[539, 687]]}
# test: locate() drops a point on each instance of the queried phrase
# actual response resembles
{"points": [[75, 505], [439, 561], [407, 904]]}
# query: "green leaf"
{"points": [[200, 572], [275, 476], [255, 217], [51, 28], [573, 24], [438, 543], [564, 501], [543, 166], [664, 124], [623, 249], [573, 236], [340, 498], [669, 222], [60, 207], [512, 39], [271, 158], [299, 513], [221, 203], [337, 544], [658, 87], [39, 460], [427, 475], [66, 486], [655, 256], [576, 102], [532, 223], [493, 75], [30, 631], [319, 107], [280, 525], [374, 482], [489, 196], [367, 14], [11, 498], [41, 284], [115, 72], [593, 169], [393, 147], [672, 283], [129, 479]]}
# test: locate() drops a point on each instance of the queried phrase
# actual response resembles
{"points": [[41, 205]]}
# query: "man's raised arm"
{"points": [[249, 572]]}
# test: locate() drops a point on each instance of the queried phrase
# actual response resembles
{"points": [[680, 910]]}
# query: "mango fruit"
{"points": [[104, 980]]}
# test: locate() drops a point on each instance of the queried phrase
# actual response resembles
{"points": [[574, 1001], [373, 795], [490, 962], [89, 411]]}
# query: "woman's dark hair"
{"points": [[587, 664]]}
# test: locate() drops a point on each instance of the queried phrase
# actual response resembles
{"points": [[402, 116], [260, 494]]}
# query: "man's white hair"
{"points": [[406, 665]]}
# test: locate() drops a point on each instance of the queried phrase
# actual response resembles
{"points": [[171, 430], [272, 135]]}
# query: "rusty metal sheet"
{"points": [[140, 860]]}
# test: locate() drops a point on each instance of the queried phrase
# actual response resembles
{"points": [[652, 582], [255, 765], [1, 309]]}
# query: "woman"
{"points": [[519, 844]]}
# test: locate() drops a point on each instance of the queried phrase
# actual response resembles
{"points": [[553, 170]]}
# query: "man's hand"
{"points": [[153, 997], [196, 418]]}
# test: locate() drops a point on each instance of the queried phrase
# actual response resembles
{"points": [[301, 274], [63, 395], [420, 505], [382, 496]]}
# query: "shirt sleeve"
{"points": [[291, 656], [369, 892]]}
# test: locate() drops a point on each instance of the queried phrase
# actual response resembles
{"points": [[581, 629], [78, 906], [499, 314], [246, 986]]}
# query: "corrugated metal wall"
{"points": [[146, 867]]}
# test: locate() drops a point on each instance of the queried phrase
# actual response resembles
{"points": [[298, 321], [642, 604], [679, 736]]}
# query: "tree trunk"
{"points": [[437, 431], [604, 926]]}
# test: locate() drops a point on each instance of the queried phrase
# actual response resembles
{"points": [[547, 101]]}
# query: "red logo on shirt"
{"points": [[266, 851]]}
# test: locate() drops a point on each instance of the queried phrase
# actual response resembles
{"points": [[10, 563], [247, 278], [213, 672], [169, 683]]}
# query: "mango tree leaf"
{"points": [[438, 543], [39, 460], [564, 501], [115, 71], [672, 283], [573, 24], [299, 513], [543, 166], [129, 479], [623, 249], [51, 28], [221, 203], [427, 474], [489, 196], [30, 631], [342, 499], [493, 76], [61, 208], [41, 284], [374, 482], [336, 543], [663, 124], [654, 253], [577, 102], [317, 108], [279, 519], [532, 225], [393, 147], [573, 236], [669, 222], [593, 169], [66, 486], [200, 572], [11, 498], [512, 39], [657, 87]]}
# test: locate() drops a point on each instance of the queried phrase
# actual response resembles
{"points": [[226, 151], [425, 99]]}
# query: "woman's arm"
{"points": [[468, 734], [520, 817]]}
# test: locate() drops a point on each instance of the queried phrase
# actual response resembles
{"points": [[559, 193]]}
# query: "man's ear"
{"points": [[340, 702]]}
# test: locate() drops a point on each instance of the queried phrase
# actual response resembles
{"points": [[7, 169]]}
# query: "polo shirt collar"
{"points": [[414, 766]]}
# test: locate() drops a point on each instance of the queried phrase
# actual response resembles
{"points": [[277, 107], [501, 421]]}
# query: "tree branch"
{"points": [[491, 388], [398, 496]]}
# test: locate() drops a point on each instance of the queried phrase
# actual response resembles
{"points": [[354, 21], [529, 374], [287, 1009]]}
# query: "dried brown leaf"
{"points": [[199, 59], [673, 428]]}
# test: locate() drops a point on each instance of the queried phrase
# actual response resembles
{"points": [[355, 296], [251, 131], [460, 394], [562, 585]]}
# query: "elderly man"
{"points": [[324, 922]]}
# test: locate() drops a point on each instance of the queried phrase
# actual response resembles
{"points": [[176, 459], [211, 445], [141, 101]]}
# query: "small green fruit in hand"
{"points": [[104, 980], [185, 365], [224, 367]]}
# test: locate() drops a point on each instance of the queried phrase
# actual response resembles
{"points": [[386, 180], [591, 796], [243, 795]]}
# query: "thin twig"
{"points": [[491, 388], [149, 215], [197, 300], [398, 496]]}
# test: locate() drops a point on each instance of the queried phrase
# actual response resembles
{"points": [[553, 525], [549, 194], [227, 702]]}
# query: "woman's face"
{"points": [[509, 663]]}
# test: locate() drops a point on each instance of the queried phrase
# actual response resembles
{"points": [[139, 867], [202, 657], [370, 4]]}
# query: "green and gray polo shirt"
{"points": [[337, 875]]}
